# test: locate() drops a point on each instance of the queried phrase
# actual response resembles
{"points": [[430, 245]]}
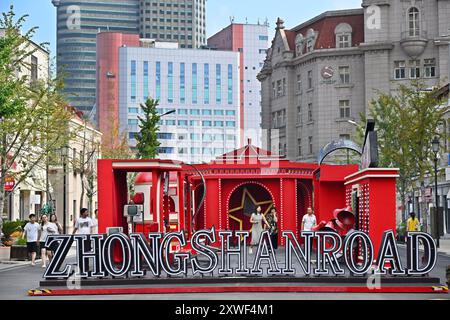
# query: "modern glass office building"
{"points": [[202, 86], [78, 23]]}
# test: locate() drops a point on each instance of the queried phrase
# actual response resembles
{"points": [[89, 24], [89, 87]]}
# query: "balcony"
{"points": [[414, 45]]}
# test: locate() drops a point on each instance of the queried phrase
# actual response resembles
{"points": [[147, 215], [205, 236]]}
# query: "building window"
{"points": [[274, 90], [218, 123], [34, 69], [299, 115], [194, 83], [145, 84], [230, 124], [230, 84], [133, 122], [309, 44], [158, 80], [195, 112], [310, 143], [263, 38], [430, 68], [299, 83], [218, 112], [279, 88], [230, 112], [182, 83], [310, 112], [183, 123], [399, 70], [344, 41], [206, 123], [170, 82], [414, 69], [284, 86], [206, 112], [194, 123], [299, 146], [413, 22], [182, 112], [310, 79], [344, 74], [218, 84], [344, 108], [206, 83], [133, 80]]}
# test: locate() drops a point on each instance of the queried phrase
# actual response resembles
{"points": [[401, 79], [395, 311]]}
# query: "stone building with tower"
{"points": [[319, 76]]}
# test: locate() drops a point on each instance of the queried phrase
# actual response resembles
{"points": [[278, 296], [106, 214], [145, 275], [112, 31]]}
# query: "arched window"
{"points": [[413, 22], [310, 40], [343, 32]]}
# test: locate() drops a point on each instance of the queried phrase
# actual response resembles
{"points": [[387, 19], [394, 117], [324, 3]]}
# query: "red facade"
{"points": [[108, 44]]}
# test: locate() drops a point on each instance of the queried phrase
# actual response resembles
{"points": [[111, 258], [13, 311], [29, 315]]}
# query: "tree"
{"points": [[115, 145], [407, 122], [33, 114], [147, 139]]}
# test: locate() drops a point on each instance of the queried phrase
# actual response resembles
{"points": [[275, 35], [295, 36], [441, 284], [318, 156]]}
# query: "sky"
{"points": [[293, 12]]}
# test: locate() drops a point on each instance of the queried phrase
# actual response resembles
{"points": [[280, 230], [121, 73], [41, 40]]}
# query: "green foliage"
{"points": [[406, 123], [9, 227], [21, 242], [147, 140]]}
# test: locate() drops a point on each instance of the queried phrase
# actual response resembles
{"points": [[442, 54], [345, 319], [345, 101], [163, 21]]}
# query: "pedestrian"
{"points": [[47, 228], [54, 219], [257, 219], [272, 220], [84, 224], [95, 222], [309, 221], [412, 224], [31, 233]]}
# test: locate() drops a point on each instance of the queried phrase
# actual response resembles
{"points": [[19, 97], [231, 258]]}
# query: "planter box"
{"points": [[4, 253], [19, 253]]}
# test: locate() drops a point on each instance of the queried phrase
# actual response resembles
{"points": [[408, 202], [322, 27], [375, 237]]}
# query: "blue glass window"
{"points": [[133, 122], [218, 112], [218, 123], [158, 80], [183, 112], [170, 122], [218, 84], [182, 123], [195, 112], [165, 150], [206, 112], [170, 82], [206, 123], [206, 83], [207, 151], [194, 83], [218, 137], [264, 38], [230, 113], [133, 110], [145, 84], [195, 150], [194, 123], [207, 137], [231, 124], [133, 80], [195, 136], [182, 83], [164, 135], [230, 84], [218, 151]]}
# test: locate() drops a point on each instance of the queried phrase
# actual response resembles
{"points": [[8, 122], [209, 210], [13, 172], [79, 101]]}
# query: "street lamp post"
{"points": [[64, 154], [435, 147]]}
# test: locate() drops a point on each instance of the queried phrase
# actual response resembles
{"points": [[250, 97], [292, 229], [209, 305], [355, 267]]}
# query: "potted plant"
{"points": [[9, 228], [19, 250]]}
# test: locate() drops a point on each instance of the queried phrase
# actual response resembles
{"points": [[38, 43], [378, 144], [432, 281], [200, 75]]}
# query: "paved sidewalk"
{"points": [[444, 246]]}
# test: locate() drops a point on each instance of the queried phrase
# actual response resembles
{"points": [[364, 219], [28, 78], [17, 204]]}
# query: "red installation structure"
{"points": [[224, 193]]}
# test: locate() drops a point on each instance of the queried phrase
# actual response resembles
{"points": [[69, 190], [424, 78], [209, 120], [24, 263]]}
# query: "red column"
{"points": [[180, 181], [288, 201], [211, 204], [153, 193], [105, 187]]}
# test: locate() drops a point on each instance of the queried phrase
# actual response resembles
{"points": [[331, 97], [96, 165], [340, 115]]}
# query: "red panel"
{"points": [[222, 289]]}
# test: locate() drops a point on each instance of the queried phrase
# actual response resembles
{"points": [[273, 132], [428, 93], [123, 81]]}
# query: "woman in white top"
{"points": [[257, 220], [47, 228]]}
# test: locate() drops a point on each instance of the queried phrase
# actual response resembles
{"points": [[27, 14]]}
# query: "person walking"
{"points": [[309, 220], [95, 222], [54, 219], [272, 220], [257, 219], [84, 225], [31, 233], [47, 228], [412, 224]]}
